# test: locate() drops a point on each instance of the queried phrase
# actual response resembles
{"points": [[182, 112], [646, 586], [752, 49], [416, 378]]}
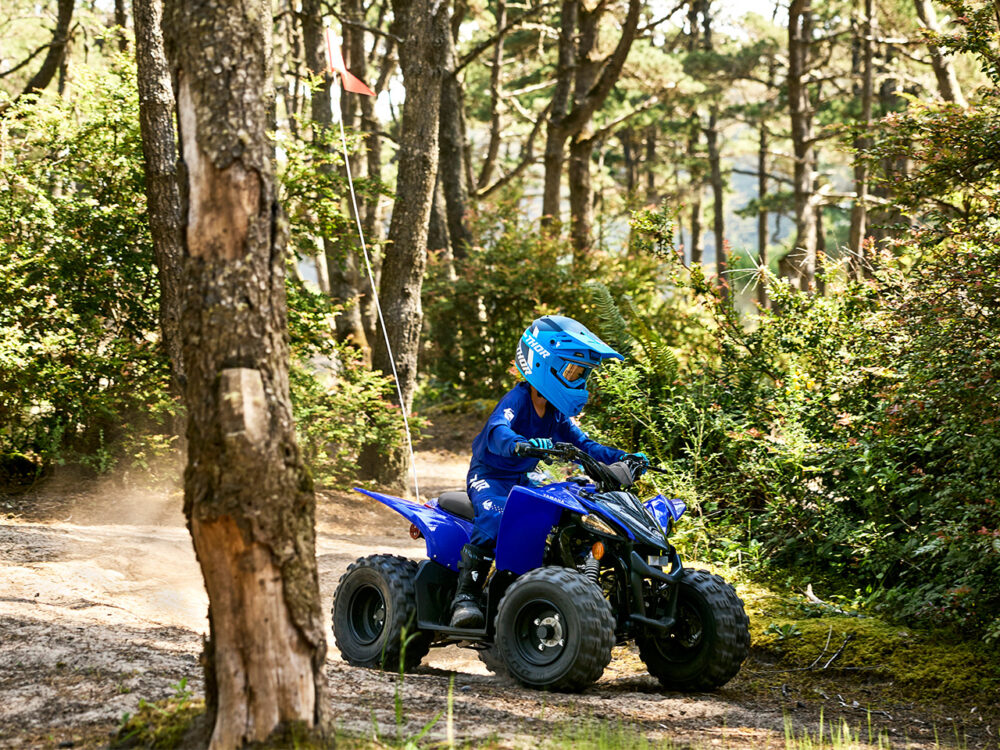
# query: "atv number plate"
{"points": [[658, 561]]}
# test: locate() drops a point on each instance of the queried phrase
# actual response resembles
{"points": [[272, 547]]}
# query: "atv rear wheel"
{"points": [[707, 645], [554, 630], [374, 606]]}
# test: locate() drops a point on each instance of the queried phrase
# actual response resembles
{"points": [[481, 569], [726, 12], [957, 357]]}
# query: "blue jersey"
{"points": [[514, 420]]}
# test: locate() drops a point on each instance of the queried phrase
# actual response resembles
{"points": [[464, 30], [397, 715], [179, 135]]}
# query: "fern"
{"points": [[660, 357], [612, 325]]}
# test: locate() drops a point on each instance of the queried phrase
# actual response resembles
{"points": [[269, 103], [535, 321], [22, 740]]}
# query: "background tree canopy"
{"points": [[787, 220]]}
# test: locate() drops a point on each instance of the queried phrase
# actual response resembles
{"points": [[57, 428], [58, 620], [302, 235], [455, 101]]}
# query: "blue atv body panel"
{"points": [[444, 533], [666, 509], [528, 517]]}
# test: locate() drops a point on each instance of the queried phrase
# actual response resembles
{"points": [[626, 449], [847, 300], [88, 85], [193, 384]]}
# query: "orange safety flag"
{"points": [[336, 59]]}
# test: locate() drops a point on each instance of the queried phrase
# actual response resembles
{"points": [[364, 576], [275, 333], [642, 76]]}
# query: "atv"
{"points": [[580, 566]]}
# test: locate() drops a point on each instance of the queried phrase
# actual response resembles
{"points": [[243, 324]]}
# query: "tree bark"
{"points": [[718, 199], [948, 85], [496, 85], [581, 205], [762, 214], [859, 211], [652, 196], [248, 497], [423, 27], [555, 137], [452, 169], [121, 19], [159, 150], [800, 264], [695, 187], [581, 147]]}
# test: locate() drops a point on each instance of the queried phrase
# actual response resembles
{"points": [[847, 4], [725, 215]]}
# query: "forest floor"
{"points": [[102, 606]]}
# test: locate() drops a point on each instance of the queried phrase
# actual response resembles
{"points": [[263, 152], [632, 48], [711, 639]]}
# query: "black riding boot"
{"points": [[472, 570]]}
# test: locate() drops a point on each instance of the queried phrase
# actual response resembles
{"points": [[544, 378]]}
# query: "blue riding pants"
{"points": [[489, 496]]}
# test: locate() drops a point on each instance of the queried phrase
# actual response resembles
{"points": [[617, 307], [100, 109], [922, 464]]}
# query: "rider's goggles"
{"points": [[574, 373]]}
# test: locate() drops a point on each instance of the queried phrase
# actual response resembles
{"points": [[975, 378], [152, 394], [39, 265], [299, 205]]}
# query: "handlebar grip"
{"points": [[523, 450]]}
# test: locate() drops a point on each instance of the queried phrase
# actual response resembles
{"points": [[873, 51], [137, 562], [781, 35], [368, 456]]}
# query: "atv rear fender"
{"points": [[445, 534]]}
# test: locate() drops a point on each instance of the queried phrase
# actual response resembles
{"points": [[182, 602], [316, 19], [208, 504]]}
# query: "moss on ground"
{"points": [[919, 665]]}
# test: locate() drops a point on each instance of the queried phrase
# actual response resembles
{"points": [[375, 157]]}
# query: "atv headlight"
{"points": [[598, 524]]}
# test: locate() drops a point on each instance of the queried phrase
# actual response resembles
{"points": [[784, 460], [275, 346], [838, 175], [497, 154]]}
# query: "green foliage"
{"points": [[475, 311], [81, 373], [477, 307], [161, 725], [853, 435], [339, 404]]}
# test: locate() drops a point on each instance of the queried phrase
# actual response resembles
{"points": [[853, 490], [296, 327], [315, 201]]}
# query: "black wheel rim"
{"points": [[367, 614], [540, 633], [686, 639]]}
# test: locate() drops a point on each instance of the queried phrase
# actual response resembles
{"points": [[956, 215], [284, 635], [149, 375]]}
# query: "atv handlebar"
{"points": [[618, 476]]}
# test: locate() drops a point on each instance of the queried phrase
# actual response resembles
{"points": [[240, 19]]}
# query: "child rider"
{"points": [[555, 356]]}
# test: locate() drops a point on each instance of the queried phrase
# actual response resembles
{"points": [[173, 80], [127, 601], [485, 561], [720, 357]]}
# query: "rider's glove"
{"points": [[640, 458], [544, 443]]}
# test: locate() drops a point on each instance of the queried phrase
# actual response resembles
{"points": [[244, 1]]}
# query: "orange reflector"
{"points": [[597, 550], [415, 533]]}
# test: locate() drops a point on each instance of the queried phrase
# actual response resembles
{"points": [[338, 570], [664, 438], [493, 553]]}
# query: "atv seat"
{"points": [[457, 503]]}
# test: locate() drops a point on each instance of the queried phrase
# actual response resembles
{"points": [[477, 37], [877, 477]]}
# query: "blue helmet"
{"points": [[555, 355]]}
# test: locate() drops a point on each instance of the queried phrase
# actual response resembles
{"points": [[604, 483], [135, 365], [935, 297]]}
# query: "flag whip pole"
{"points": [[334, 57]]}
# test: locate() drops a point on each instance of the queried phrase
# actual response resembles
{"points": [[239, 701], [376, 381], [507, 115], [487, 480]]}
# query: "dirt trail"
{"points": [[102, 604]]}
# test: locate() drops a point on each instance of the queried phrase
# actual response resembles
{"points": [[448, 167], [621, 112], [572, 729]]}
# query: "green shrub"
{"points": [[852, 436], [81, 372], [339, 404], [82, 375]]}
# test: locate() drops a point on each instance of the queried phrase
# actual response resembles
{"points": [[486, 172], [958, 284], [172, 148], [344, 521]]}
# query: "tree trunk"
{"points": [[859, 211], [800, 264], [156, 123], [248, 497], [496, 64], [57, 50], [580, 201], [695, 187], [555, 135], [581, 146], [718, 200], [452, 172], [438, 239], [948, 85], [652, 197], [762, 233], [575, 65], [423, 27], [121, 20], [820, 251]]}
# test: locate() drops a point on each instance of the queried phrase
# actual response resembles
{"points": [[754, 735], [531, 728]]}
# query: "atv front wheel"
{"points": [[554, 630], [708, 643], [374, 608]]}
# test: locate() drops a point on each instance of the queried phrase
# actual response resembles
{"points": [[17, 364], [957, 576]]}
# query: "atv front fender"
{"points": [[527, 519], [445, 534], [666, 510]]}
